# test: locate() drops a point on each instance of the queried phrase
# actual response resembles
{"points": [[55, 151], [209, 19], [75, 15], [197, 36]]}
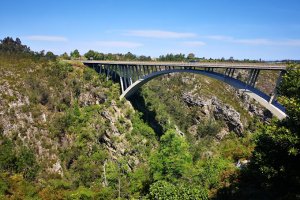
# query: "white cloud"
{"points": [[254, 41], [218, 37], [290, 42], [124, 44], [257, 41], [159, 34], [46, 38], [194, 43], [260, 41]]}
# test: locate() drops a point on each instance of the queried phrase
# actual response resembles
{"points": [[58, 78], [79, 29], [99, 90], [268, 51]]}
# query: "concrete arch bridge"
{"points": [[132, 75]]}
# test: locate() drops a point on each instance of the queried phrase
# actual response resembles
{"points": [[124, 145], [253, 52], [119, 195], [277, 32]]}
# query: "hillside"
{"points": [[65, 134], [65, 121]]}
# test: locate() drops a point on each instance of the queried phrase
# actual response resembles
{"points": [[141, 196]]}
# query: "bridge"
{"points": [[132, 75]]}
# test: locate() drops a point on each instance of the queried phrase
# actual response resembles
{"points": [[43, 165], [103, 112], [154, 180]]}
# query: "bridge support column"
{"points": [[254, 78], [274, 93], [107, 72], [148, 69], [232, 73], [250, 77], [115, 71], [125, 83], [144, 71], [137, 72], [128, 76], [226, 71], [121, 83]]}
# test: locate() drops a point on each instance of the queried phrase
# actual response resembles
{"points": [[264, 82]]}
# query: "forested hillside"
{"points": [[65, 134]]}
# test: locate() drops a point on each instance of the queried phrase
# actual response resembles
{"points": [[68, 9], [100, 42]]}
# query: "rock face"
{"points": [[229, 115], [29, 123], [17, 123], [214, 108], [92, 97], [114, 140], [253, 108]]}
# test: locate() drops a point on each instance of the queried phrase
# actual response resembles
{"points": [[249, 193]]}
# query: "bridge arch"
{"points": [[275, 108], [133, 74]]}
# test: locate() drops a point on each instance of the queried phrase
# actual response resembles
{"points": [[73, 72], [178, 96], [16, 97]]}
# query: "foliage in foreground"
{"points": [[275, 160]]}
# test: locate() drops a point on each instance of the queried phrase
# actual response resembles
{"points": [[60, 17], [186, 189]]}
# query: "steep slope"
{"points": [[63, 126], [190, 101], [64, 134]]}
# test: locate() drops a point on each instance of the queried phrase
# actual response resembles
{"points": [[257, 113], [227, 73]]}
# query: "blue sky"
{"points": [[267, 29]]}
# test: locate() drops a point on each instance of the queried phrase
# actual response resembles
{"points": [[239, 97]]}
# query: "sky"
{"points": [[242, 29]]}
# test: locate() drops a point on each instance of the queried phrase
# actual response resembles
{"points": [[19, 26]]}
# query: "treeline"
{"points": [[14, 48], [94, 55]]}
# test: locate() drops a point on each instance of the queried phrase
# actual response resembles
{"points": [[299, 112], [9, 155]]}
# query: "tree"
{"points": [[7, 155], [9, 45], [165, 190], [144, 58], [23, 161], [51, 56], [173, 158], [130, 56], [65, 56], [90, 55], [27, 164], [94, 55], [191, 56], [75, 54], [276, 158]]}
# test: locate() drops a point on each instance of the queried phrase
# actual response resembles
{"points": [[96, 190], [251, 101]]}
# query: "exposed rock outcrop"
{"points": [[92, 97], [18, 122], [253, 108], [227, 114], [214, 108], [114, 140]]}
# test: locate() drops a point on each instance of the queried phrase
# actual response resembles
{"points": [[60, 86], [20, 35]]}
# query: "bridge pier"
{"points": [[232, 73], [106, 71], [274, 93], [121, 83], [254, 77]]}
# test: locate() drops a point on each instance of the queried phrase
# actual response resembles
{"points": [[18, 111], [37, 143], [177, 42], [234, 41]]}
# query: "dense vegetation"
{"points": [[191, 57], [276, 158], [64, 134]]}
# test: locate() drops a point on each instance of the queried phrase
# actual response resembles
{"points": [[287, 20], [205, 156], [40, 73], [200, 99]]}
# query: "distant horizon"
{"points": [[249, 29]]}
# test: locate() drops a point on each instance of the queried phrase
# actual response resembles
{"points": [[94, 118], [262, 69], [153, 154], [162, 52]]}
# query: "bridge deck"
{"points": [[262, 66]]}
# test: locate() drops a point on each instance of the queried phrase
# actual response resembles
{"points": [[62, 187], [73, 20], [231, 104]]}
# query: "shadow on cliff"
{"points": [[148, 116]]}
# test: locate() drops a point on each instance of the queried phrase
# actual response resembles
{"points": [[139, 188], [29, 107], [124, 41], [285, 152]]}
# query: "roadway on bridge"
{"points": [[262, 66], [195, 67]]}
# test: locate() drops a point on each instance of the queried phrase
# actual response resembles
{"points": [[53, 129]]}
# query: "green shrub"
{"points": [[209, 128], [7, 155], [81, 193], [172, 160], [164, 191], [26, 164]]}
